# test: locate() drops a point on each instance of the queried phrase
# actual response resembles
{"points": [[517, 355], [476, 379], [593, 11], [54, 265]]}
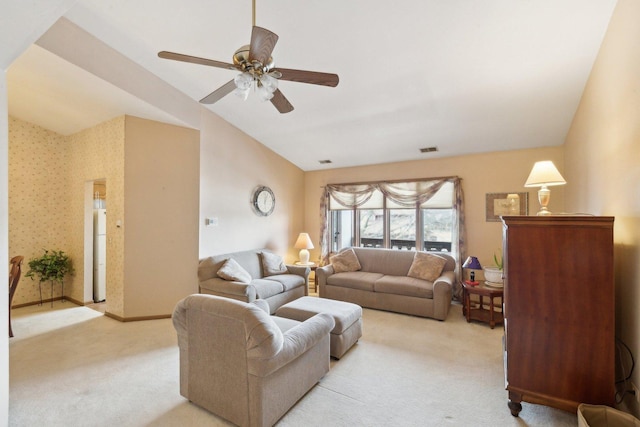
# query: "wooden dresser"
{"points": [[559, 311]]}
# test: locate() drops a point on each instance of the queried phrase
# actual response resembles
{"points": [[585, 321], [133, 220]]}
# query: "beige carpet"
{"points": [[71, 366]]}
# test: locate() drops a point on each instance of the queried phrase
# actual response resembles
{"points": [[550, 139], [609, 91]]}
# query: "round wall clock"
{"points": [[263, 201]]}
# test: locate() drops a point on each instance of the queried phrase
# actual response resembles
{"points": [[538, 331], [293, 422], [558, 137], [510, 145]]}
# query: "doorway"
{"points": [[95, 244]]}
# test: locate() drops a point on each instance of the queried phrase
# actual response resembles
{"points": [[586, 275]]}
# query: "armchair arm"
{"points": [[297, 340], [262, 304], [179, 319]]}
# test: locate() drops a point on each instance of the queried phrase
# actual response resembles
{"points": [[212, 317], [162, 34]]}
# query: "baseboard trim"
{"points": [[84, 304], [47, 301], [136, 319]]}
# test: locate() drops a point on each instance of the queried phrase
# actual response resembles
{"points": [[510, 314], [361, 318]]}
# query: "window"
{"points": [[413, 215]]}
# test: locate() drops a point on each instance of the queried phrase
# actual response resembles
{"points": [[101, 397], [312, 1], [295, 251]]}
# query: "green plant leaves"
{"points": [[498, 262], [51, 266]]}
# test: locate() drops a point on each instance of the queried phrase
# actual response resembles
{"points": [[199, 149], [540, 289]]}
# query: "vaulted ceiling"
{"points": [[464, 76]]}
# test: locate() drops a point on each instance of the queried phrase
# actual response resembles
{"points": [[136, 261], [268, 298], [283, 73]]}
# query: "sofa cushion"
{"points": [[272, 264], [426, 266], [233, 271], [266, 288], [362, 280], [288, 281], [345, 261], [385, 261], [403, 285]]}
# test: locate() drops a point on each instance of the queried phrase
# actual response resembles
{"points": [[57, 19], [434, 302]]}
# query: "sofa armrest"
{"points": [[303, 271], [299, 270], [297, 340], [225, 288], [447, 277], [322, 273], [442, 294]]}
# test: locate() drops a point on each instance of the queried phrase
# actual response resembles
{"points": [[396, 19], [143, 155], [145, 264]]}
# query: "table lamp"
{"points": [[472, 263], [544, 174], [304, 243]]}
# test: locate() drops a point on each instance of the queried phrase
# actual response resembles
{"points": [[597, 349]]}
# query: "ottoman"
{"points": [[348, 318]]}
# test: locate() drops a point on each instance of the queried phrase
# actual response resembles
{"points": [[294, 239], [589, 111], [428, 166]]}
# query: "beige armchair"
{"points": [[244, 365]]}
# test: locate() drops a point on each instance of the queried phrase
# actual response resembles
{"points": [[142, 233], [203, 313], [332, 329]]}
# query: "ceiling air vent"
{"points": [[428, 149], [324, 162]]}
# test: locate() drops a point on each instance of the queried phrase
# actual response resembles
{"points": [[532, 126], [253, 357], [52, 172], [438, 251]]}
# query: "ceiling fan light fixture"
{"points": [[242, 93], [269, 82], [264, 92], [243, 81]]}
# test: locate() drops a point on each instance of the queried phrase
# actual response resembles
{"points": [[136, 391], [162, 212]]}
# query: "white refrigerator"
{"points": [[99, 255]]}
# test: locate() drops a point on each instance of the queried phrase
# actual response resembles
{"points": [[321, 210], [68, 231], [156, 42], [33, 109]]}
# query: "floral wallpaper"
{"points": [[97, 153], [47, 176], [38, 199]]}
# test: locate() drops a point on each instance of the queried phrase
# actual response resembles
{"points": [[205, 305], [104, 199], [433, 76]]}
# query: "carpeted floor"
{"points": [[72, 366]]}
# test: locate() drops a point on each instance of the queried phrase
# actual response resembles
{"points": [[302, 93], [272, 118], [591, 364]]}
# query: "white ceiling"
{"points": [[465, 76]]}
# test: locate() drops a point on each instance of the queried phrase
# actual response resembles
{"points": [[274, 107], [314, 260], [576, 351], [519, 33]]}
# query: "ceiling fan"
{"points": [[257, 70]]}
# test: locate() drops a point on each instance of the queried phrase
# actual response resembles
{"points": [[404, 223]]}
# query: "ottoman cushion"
{"points": [[347, 316]]}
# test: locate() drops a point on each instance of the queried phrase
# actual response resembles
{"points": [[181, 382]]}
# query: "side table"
{"points": [[482, 314], [313, 267]]}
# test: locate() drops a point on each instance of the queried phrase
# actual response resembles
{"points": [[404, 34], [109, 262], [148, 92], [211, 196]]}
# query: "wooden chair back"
{"points": [[15, 271]]}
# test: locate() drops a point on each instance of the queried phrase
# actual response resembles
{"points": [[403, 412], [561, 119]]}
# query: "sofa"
{"points": [[410, 282], [253, 274], [244, 365]]}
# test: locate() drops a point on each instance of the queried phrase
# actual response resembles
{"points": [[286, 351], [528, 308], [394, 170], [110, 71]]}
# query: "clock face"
{"points": [[264, 201]]}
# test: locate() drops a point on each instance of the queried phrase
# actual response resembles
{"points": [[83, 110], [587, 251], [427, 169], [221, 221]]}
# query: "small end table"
{"points": [[489, 316], [312, 280]]}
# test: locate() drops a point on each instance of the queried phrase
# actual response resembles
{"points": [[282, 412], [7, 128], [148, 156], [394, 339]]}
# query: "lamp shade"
{"points": [[544, 173], [472, 263], [304, 242]]}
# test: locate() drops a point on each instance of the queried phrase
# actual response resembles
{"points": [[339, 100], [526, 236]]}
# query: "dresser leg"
{"points": [[514, 404]]}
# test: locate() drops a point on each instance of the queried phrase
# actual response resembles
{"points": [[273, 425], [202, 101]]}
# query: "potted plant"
{"points": [[51, 267]]}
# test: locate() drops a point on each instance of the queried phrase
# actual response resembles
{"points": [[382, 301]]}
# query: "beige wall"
{"points": [[500, 172], [160, 223], [232, 165], [603, 163]]}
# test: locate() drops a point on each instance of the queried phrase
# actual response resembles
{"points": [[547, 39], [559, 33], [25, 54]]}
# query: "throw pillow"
{"points": [[426, 266], [233, 271], [345, 261], [272, 264]]}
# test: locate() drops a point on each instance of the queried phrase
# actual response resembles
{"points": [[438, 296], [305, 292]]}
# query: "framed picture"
{"points": [[499, 204]]}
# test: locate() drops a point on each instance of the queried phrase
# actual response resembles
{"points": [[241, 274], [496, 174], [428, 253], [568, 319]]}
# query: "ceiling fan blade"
{"points": [[281, 103], [195, 60], [219, 93], [262, 43], [312, 77]]}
